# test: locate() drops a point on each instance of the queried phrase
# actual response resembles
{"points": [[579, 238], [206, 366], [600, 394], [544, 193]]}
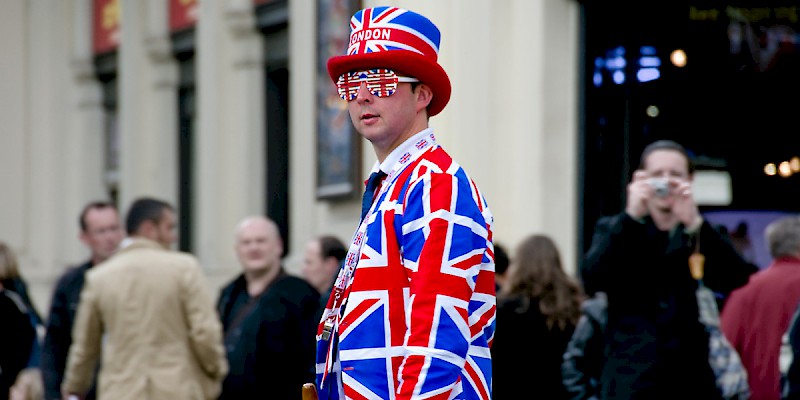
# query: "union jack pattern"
{"points": [[380, 82], [391, 28], [420, 310]]}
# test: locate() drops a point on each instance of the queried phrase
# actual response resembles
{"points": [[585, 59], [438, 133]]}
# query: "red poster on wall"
{"points": [[182, 14], [105, 25]]}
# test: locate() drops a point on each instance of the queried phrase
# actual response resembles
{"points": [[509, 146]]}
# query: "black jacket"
{"points": [[271, 351], [20, 288], [656, 346], [17, 336], [526, 354], [583, 359], [58, 336]]}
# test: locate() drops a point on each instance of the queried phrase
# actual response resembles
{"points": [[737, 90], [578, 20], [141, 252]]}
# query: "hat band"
{"points": [[371, 40]]}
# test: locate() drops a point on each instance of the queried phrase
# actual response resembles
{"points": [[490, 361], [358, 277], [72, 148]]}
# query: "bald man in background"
{"points": [[269, 319]]}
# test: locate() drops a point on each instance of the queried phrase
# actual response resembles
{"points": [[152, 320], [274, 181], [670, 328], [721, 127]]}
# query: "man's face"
{"points": [[313, 265], [103, 232], [385, 121], [669, 164], [258, 246], [166, 229]]}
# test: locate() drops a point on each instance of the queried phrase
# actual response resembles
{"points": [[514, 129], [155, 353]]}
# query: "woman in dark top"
{"points": [[11, 280], [537, 309], [16, 339]]}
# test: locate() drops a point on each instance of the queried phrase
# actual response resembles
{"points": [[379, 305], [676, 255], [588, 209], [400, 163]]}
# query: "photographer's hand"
{"points": [[639, 191], [685, 208]]}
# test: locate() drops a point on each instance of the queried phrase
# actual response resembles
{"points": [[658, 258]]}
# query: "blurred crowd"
{"points": [[136, 318]]}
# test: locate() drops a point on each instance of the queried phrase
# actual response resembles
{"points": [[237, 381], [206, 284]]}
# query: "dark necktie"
{"points": [[369, 193]]}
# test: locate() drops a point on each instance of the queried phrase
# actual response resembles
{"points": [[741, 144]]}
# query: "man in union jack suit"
{"points": [[412, 312]]}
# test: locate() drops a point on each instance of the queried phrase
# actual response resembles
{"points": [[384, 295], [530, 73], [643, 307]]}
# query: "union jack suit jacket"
{"points": [[419, 314]]}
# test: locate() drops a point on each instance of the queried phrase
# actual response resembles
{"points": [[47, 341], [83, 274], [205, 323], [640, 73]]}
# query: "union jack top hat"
{"points": [[398, 39]]}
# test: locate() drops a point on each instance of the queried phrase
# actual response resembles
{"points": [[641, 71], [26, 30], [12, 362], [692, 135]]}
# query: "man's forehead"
{"points": [[667, 156], [101, 217]]}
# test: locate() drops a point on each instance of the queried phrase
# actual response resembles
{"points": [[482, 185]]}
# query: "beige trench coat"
{"points": [[148, 313]]}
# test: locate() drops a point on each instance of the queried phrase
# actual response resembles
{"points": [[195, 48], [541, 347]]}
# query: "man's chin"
{"points": [[256, 267]]}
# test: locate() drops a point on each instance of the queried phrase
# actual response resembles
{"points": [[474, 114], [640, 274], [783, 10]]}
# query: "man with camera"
{"points": [[655, 345]]}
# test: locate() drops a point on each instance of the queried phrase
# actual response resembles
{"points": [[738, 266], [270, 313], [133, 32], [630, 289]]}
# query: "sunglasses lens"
{"points": [[380, 82], [347, 87]]}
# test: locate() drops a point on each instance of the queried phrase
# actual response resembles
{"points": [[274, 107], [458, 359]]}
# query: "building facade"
{"points": [[222, 108]]}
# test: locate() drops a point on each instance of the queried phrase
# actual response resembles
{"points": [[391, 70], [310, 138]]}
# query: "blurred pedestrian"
{"points": [[321, 263], [12, 280], [757, 315], [537, 309], [100, 231], [269, 318], [740, 237], [584, 358], [656, 347], [18, 333], [149, 314], [501, 262]]}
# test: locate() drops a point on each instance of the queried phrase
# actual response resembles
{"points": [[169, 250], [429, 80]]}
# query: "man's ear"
{"points": [[147, 229], [282, 248], [331, 261], [424, 96], [84, 237]]}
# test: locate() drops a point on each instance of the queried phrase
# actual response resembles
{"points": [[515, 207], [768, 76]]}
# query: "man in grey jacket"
{"points": [[583, 359]]}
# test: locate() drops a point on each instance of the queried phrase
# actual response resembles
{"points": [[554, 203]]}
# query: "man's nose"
{"points": [[363, 93]]}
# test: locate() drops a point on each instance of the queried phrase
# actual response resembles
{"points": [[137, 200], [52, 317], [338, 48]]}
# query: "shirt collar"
{"points": [[394, 157]]}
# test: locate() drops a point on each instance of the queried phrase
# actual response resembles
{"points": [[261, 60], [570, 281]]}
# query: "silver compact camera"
{"points": [[660, 186]]}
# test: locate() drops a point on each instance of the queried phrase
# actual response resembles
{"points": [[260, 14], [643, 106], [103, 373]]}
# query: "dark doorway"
{"points": [[273, 23], [183, 50], [731, 105], [106, 72]]}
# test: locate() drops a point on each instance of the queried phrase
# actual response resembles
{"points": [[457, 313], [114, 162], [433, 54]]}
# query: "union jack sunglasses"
{"points": [[380, 82]]}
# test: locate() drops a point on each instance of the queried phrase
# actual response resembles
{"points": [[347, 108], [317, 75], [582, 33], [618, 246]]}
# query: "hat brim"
{"points": [[404, 62]]}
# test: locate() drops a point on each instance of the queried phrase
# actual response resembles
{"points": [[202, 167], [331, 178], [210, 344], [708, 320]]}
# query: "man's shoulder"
{"points": [[141, 258], [438, 162], [443, 161], [73, 273], [772, 278], [294, 284], [154, 256], [613, 218], [78, 270], [184, 258], [237, 283], [291, 289], [605, 223]]}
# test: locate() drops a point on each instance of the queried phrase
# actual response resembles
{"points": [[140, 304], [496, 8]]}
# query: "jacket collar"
{"points": [[133, 243]]}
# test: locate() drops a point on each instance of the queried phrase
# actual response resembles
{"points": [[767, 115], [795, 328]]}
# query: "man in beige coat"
{"points": [[148, 312]]}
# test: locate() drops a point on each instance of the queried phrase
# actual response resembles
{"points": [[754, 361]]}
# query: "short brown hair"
{"points": [[8, 263], [667, 145], [94, 205]]}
